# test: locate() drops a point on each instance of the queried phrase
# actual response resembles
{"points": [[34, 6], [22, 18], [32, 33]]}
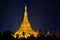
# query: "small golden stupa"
{"points": [[25, 29]]}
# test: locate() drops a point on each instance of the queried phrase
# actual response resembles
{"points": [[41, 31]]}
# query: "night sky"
{"points": [[43, 14]]}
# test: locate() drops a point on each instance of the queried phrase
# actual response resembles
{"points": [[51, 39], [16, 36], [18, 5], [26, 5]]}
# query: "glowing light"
{"points": [[25, 30]]}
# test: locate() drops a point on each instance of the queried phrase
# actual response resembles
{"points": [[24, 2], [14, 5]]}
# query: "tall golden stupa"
{"points": [[25, 29]]}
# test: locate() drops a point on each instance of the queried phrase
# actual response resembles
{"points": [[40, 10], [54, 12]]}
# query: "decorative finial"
{"points": [[25, 6]]}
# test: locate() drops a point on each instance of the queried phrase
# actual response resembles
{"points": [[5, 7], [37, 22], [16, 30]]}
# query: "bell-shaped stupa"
{"points": [[25, 29]]}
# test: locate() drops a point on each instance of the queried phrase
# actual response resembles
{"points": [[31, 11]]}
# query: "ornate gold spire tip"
{"points": [[25, 7]]}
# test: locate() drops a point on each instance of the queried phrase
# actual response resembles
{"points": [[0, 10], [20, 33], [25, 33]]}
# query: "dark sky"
{"points": [[43, 14]]}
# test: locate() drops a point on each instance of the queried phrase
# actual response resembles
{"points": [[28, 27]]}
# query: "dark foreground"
{"points": [[7, 36]]}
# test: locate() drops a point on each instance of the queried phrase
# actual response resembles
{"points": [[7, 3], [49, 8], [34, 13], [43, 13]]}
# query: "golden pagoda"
{"points": [[25, 29]]}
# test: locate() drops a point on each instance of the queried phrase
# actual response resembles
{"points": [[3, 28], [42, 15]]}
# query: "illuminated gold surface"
{"points": [[25, 27]]}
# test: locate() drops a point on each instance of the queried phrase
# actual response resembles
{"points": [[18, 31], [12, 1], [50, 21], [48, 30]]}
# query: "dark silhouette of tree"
{"points": [[7, 36]]}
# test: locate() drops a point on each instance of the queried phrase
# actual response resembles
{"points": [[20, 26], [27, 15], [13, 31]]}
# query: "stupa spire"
{"points": [[25, 14]]}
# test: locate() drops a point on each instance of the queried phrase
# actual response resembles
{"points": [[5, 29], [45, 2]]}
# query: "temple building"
{"points": [[25, 29]]}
